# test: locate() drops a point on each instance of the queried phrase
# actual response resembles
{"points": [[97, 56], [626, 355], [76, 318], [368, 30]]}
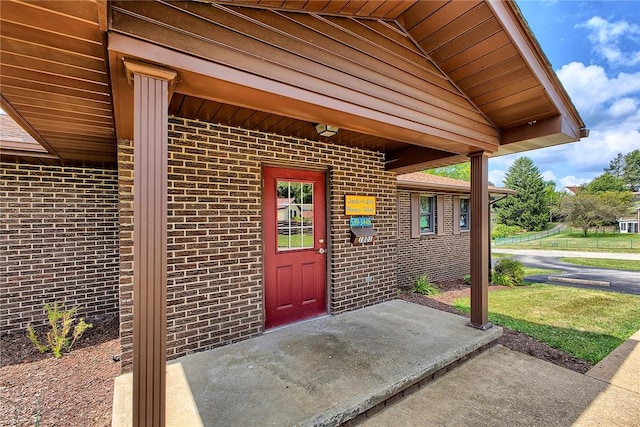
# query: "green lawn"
{"points": [[574, 240], [532, 271], [283, 241], [618, 264], [587, 324], [500, 255]]}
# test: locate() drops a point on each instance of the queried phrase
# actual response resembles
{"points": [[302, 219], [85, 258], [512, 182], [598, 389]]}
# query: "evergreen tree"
{"points": [[528, 209], [616, 166], [631, 173]]}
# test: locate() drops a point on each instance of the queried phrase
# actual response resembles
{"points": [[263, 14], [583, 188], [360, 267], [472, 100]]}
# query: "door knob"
{"points": [[322, 250]]}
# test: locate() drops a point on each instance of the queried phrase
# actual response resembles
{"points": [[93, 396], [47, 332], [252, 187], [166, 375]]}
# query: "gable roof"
{"points": [[427, 83], [428, 182]]}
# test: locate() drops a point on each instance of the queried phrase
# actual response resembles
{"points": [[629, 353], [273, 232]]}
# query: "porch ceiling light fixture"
{"points": [[326, 130]]}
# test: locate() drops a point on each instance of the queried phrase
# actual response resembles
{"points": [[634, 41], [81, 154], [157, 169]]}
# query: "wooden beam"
{"points": [[208, 80], [150, 111], [479, 241], [414, 158]]}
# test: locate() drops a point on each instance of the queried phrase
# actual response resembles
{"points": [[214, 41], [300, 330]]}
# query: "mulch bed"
{"points": [[511, 339], [77, 390]]}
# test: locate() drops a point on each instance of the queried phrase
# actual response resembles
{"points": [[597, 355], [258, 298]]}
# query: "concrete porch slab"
{"points": [[326, 371]]}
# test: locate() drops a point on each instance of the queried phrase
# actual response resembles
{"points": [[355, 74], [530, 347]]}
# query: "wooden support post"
{"points": [[479, 241], [151, 96]]}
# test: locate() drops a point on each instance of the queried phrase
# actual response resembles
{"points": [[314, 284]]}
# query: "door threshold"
{"points": [[311, 319]]}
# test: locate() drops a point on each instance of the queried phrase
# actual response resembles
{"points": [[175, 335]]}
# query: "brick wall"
{"points": [[442, 258], [215, 231], [58, 241]]}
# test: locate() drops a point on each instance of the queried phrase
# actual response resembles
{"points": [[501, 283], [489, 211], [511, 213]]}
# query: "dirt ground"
{"points": [[77, 389]]}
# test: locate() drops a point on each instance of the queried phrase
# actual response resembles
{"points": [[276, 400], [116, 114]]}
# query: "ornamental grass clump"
{"points": [[424, 286], [61, 325]]}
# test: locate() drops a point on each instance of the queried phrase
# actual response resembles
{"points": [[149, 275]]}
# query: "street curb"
{"points": [[578, 281]]}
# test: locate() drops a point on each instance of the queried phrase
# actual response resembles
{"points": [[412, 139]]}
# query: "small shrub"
{"points": [[60, 323], [501, 230], [511, 269], [424, 286], [467, 279], [501, 280]]}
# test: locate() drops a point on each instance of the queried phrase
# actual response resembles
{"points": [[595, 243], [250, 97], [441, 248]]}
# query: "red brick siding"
{"points": [[215, 231], [58, 241], [444, 257]]}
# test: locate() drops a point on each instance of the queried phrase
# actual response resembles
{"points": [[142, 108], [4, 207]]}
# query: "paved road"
{"points": [[620, 281]]}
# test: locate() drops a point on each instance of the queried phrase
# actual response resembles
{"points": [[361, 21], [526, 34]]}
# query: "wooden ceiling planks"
{"points": [[472, 47], [53, 69], [276, 46], [53, 75], [388, 10], [226, 114]]}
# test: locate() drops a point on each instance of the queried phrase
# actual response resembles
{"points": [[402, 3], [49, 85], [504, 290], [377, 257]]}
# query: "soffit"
{"points": [[53, 77]]}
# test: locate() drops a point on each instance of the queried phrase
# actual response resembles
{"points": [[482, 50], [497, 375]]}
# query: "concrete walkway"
{"points": [[501, 387], [322, 373]]}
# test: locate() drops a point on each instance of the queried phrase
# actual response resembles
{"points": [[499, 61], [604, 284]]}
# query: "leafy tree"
{"points": [[554, 200], [581, 211], [586, 210], [615, 204], [460, 171], [605, 182], [631, 172], [529, 208], [616, 166]]}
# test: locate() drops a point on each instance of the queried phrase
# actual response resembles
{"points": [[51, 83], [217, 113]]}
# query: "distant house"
{"points": [[573, 189], [433, 227], [629, 224], [287, 209]]}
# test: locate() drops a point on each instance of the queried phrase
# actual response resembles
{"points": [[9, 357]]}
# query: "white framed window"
{"points": [[427, 223], [464, 219], [427, 217]]}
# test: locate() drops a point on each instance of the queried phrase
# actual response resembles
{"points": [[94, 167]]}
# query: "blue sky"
{"points": [[594, 48]]}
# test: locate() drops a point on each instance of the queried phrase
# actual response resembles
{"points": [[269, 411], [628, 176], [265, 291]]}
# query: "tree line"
{"points": [[601, 202]]}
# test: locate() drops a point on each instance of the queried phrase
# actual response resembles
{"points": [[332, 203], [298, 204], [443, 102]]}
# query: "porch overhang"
{"points": [[427, 83]]}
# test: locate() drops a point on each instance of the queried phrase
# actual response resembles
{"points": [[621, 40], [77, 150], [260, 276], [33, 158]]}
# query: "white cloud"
{"points": [[496, 176], [602, 100], [548, 175], [570, 180], [608, 37]]}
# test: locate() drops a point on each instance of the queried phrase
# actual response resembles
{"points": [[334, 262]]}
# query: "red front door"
{"points": [[294, 245]]}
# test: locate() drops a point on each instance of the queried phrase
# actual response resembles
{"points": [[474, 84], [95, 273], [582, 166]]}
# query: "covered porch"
{"points": [[410, 85], [323, 372]]}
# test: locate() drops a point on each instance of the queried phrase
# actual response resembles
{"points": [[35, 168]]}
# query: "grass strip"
{"points": [[617, 264], [587, 324]]}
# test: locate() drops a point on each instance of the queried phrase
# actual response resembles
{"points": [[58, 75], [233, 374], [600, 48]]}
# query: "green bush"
{"points": [[501, 230], [60, 322], [508, 272], [467, 279], [424, 286], [501, 280]]}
